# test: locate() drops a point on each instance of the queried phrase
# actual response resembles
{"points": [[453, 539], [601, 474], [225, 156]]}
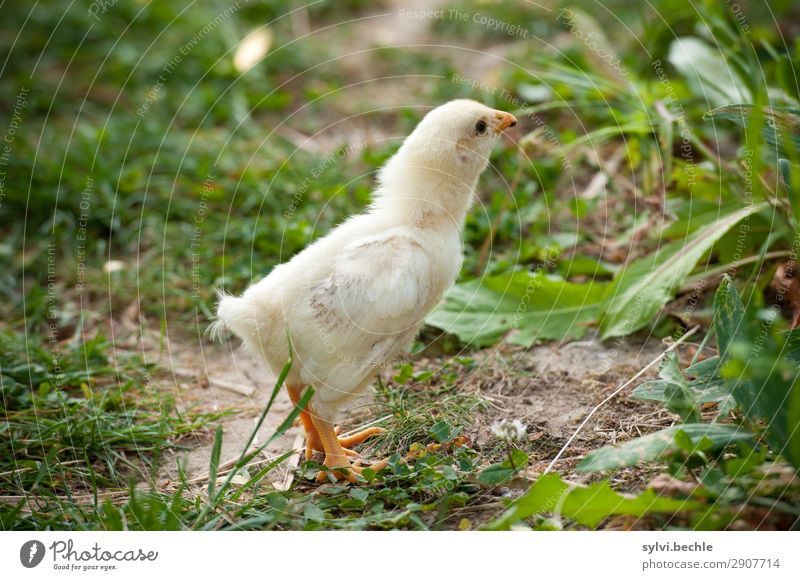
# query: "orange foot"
{"points": [[337, 463], [357, 438], [341, 468], [314, 441], [321, 435]]}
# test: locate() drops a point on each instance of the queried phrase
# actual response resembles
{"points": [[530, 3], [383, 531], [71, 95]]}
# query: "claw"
{"points": [[314, 444], [322, 435], [350, 471]]}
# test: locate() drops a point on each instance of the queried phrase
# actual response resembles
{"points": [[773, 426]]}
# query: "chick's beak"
{"points": [[503, 121]]}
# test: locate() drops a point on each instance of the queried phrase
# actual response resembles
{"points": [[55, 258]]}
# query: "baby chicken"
{"points": [[353, 300]]}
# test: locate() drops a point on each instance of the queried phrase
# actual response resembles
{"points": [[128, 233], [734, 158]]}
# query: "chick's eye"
{"points": [[480, 127]]}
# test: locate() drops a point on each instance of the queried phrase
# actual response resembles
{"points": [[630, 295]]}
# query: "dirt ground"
{"points": [[227, 378], [551, 388]]}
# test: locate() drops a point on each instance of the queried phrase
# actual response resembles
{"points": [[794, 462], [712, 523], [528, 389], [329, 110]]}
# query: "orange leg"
{"points": [[313, 441], [336, 458]]}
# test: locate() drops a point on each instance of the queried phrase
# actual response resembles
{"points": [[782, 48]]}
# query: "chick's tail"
{"points": [[236, 315]]}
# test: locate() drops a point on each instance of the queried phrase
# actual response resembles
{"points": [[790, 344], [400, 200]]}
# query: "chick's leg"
{"points": [[313, 442], [336, 455]]}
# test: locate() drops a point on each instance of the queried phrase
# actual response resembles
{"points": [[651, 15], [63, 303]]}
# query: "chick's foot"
{"points": [[360, 437], [336, 456], [341, 468]]}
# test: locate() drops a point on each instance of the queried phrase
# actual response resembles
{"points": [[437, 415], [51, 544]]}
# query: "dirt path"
{"points": [[228, 378], [551, 388]]}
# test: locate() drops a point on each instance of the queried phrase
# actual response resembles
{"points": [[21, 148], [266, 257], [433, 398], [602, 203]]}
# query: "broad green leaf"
{"points": [[443, 432], [579, 265], [703, 392], [541, 497], [692, 214], [586, 505], [495, 474], [534, 306], [705, 386], [661, 444], [590, 505], [685, 443], [314, 513], [705, 383], [708, 74], [679, 398], [704, 371], [760, 369], [728, 314], [765, 383], [501, 472], [638, 292]]}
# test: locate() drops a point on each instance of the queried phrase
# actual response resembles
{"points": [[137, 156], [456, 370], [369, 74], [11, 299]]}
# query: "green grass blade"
{"points": [[213, 500], [261, 474], [213, 467]]}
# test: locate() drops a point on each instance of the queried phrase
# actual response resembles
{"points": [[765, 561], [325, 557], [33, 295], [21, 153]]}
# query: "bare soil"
{"points": [[551, 388]]}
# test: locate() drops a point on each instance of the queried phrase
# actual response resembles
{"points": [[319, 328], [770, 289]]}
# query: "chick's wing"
{"points": [[364, 311], [379, 284]]}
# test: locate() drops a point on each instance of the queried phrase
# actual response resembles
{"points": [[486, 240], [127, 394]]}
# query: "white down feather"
{"points": [[352, 301]]}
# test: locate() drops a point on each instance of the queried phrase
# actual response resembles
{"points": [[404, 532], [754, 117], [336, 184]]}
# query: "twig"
{"points": [[710, 273], [22, 469], [226, 467], [652, 363], [232, 386], [294, 460], [299, 140], [602, 177], [183, 372], [77, 498], [226, 384], [365, 425]]}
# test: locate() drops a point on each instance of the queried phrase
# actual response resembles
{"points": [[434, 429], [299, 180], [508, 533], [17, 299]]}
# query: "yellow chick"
{"points": [[352, 301]]}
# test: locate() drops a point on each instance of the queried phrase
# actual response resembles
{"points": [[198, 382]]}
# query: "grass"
{"points": [[78, 421], [135, 189]]}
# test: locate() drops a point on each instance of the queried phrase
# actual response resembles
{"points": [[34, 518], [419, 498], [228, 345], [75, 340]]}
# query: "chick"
{"points": [[352, 301]]}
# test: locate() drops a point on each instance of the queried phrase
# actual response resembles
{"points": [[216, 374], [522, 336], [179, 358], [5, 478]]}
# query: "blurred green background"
{"points": [[141, 103], [153, 154]]}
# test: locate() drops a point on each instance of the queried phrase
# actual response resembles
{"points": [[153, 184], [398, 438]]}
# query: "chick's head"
{"points": [[458, 136]]}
